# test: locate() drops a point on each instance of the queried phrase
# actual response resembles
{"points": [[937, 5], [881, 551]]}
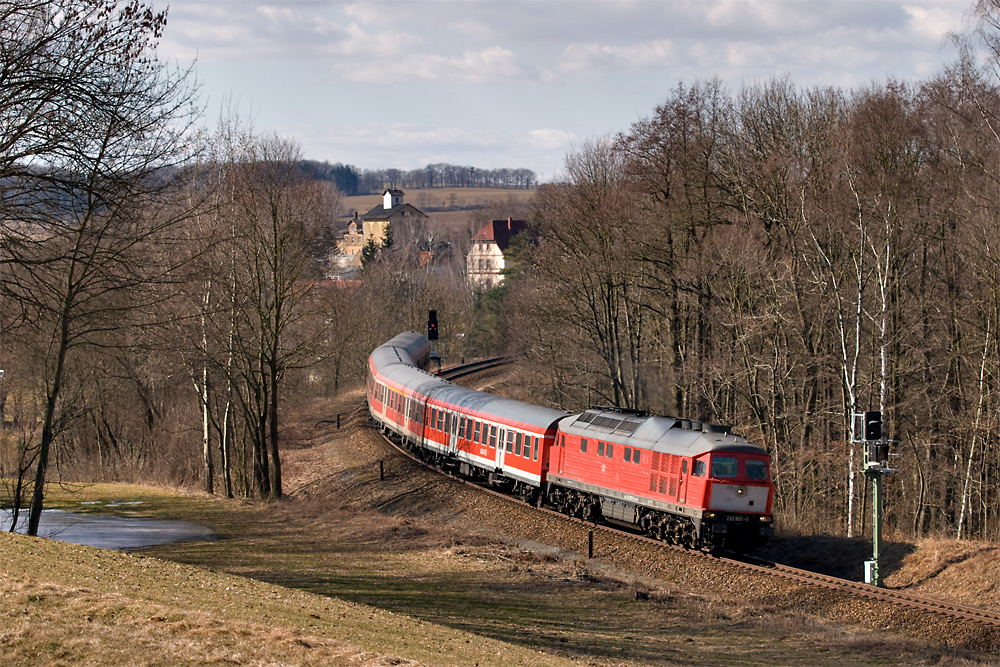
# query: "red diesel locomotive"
{"points": [[685, 482]]}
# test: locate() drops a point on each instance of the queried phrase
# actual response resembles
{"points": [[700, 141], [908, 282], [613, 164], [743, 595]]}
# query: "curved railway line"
{"points": [[895, 597]]}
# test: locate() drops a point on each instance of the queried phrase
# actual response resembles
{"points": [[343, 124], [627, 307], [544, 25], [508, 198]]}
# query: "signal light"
{"points": [[873, 425], [432, 325]]}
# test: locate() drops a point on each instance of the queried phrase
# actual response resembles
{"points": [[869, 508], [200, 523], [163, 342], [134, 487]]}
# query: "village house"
{"points": [[353, 239], [371, 225], [485, 260], [392, 211]]}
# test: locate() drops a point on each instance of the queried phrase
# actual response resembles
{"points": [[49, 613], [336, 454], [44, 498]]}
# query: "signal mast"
{"points": [[432, 336], [876, 468]]}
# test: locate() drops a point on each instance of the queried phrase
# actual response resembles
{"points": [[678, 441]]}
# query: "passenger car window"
{"points": [[534, 454], [724, 467], [493, 436], [518, 440], [476, 433], [510, 441]]}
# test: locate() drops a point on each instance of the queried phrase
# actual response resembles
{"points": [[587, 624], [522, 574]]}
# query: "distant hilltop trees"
{"points": [[352, 181]]}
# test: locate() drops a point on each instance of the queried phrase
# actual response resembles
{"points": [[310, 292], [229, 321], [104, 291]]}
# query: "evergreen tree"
{"points": [[369, 252], [387, 237]]}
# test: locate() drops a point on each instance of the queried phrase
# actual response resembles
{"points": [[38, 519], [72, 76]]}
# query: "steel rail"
{"points": [[462, 370]]}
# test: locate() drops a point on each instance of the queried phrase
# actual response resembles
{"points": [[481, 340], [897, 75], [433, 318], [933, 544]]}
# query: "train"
{"points": [[685, 482]]}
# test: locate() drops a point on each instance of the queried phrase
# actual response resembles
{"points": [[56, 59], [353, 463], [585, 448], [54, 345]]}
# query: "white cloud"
{"points": [[406, 79], [589, 59], [494, 64]]}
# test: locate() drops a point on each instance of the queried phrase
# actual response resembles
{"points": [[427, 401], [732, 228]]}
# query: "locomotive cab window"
{"points": [[699, 469], [756, 469], [724, 467]]}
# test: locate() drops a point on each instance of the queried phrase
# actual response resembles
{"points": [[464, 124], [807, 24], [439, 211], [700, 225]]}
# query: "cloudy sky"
{"points": [[506, 83]]}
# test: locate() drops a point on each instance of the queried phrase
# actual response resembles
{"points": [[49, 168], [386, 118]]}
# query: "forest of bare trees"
{"points": [[775, 258], [353, 181], [780, 259]]}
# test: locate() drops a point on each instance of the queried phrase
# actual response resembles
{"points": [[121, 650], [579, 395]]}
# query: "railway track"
{"points": [[462, 370], [895, 597], [902, 598]]}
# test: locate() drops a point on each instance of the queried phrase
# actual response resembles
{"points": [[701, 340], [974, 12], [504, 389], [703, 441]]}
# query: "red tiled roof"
{"points": [[501, 232]]}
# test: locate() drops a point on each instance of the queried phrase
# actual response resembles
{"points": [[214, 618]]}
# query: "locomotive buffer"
{"points": [[876, 468]]}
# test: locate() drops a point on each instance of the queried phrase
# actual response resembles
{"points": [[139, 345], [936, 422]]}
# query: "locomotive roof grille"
{"points": [[609, 423], [625, 426], [628, 427]]}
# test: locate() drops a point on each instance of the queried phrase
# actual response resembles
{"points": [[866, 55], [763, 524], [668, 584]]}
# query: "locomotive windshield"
{"points": [[724, 467], [756, 469]]}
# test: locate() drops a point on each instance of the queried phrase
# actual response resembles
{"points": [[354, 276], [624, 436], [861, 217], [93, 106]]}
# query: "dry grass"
{"points": [[113, 608]]}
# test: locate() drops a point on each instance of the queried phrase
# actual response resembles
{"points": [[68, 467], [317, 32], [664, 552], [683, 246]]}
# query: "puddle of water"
{"points": [[106, 531]]}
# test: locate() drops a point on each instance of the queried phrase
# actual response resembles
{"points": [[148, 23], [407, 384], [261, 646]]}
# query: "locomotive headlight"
{"points": [[765, 519], [741, 491], [708, 515]]}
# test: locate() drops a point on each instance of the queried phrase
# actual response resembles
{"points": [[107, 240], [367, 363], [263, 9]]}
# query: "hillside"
{"points": [[414, 570]]}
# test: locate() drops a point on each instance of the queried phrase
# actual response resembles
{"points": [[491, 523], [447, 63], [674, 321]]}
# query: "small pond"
{"points": [[108, 531]]}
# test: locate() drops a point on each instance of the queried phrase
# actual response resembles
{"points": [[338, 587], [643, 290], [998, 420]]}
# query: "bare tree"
{"points": [[91, 121]]}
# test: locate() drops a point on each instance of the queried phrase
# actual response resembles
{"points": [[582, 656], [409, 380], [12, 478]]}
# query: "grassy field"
{"points": [[73, 605], [352, 570]]}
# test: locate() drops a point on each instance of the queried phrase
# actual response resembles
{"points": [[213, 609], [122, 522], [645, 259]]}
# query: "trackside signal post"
{"points": [[876, 467], [432, 336]]}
